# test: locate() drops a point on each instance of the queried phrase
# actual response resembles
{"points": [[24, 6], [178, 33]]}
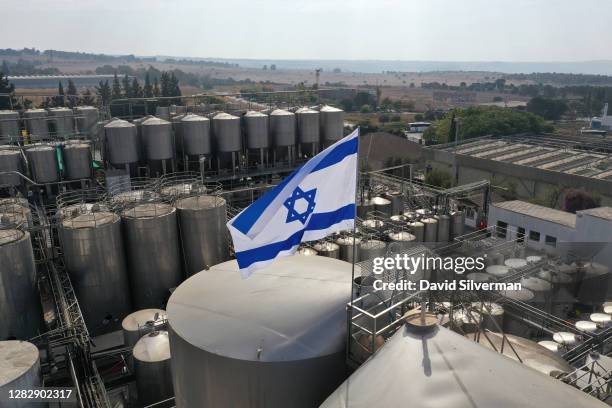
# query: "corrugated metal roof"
{"points": [[601, 212], [539, 211]]}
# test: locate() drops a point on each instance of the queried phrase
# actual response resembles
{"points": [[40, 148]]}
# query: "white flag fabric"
{"points": [[313, 202]]}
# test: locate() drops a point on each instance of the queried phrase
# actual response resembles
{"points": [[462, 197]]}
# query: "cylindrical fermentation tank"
{"points": [[492, 315], [593, 283], [347, 244], [257, 133], [308, 125], [157, 139], [327, 249], [77, 158], [332, 124], [42, 160], [443, 231], [63, 121], [141, 322], [226, 129], [400, 241], [10, 160], [152, 368], [203, 232], [152, 249], [121, 142], [15, 213], [195, 134], [364, 207], [87, 118], [9, 125], [372, 248], [382, 205], [431, 230], [36, 123], [457, 224], [19, 370], [20, 311], [275, 340], [418, 230], [282, 128], [95, 259], [397, 201]]}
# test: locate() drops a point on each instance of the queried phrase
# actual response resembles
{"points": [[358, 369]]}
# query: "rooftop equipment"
{"points": [[141, 322]]}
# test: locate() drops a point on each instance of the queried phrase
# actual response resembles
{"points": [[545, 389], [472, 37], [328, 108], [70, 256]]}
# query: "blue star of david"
{"points": [[299, 194]]}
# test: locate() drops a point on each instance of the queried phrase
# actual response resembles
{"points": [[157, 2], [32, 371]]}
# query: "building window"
{"points": [[520, 234], [502, 228], [551, 241], [534, 236]]}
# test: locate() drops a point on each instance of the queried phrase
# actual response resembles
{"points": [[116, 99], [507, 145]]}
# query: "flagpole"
{"points": [[350, 314]]}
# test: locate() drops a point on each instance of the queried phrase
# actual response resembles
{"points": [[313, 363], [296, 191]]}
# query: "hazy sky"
{"points": [[437, 30]]}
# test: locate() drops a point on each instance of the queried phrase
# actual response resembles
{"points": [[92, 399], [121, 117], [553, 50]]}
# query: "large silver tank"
{"points": [[593, 283], [282, 127], [226, 129], [77, 159], [36, 123], [95, 259], [347, 244], [443, 232], [275, 340], [152, 249], [372, 249], [9, 124], [63, 120], [431, 230], [19, 370], [87, 118], [15, 214], [152, 368], [308, 125], [457, 224], [400, 241], [42, 160], [328, 249], [382, 205], [397, 201], [10, 160], [332, 124], [121, 142], [195, 132], [20, 311], [141, 322], [203, 232], [157, 139], [257, 132], [418, 229]]}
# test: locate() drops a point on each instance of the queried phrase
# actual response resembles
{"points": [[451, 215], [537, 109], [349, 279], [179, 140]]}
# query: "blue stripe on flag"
{"points": [[251, 214], [317, 222]]}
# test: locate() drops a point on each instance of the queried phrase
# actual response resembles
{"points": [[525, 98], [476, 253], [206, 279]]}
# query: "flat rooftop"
{"points": [[538, 211], [600, 212], [583, 156]]}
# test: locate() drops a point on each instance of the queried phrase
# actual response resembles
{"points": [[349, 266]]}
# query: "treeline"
{"points": [[24, 67], [165, 85], [562, 79]]}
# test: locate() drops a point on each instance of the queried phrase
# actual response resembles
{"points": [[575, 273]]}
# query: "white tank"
{"points": [[152, 368], [19, 370]]}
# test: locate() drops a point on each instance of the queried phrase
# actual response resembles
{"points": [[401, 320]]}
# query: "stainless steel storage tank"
{"points": [[443, 232], [372, 248], [10, 160], [63, 121], [397, 201], [162, 112], [400, 241], [19, 370], [157, 139], [195, 134], [203, 232], [36, 123], [308, 125], [327, 249], [382, 205], [77, 158], [226, 128], [418, 229], [282, 128], [257, 130], [20, 311], [275, 340], [332, 124], [347, 244], [141, 322], [152, 249], [431, 230], [87, 118], [152, 368], [42, 160], [95, 259], [457, 224], [9, 125], [121, 142]]}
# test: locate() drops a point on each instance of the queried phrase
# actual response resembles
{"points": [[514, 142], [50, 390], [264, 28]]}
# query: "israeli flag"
{"points": [[313, 202]]}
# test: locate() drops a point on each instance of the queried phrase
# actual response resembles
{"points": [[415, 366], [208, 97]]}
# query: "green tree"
{"points": [[116, 90], [550, 109], [156, 90], [7, 93], [365, 109], [136, 89], [127, 88], [58, 100], [273, 67], [72, 94], [148, 88], [87, 98], [438, 178], [104, 92]]}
